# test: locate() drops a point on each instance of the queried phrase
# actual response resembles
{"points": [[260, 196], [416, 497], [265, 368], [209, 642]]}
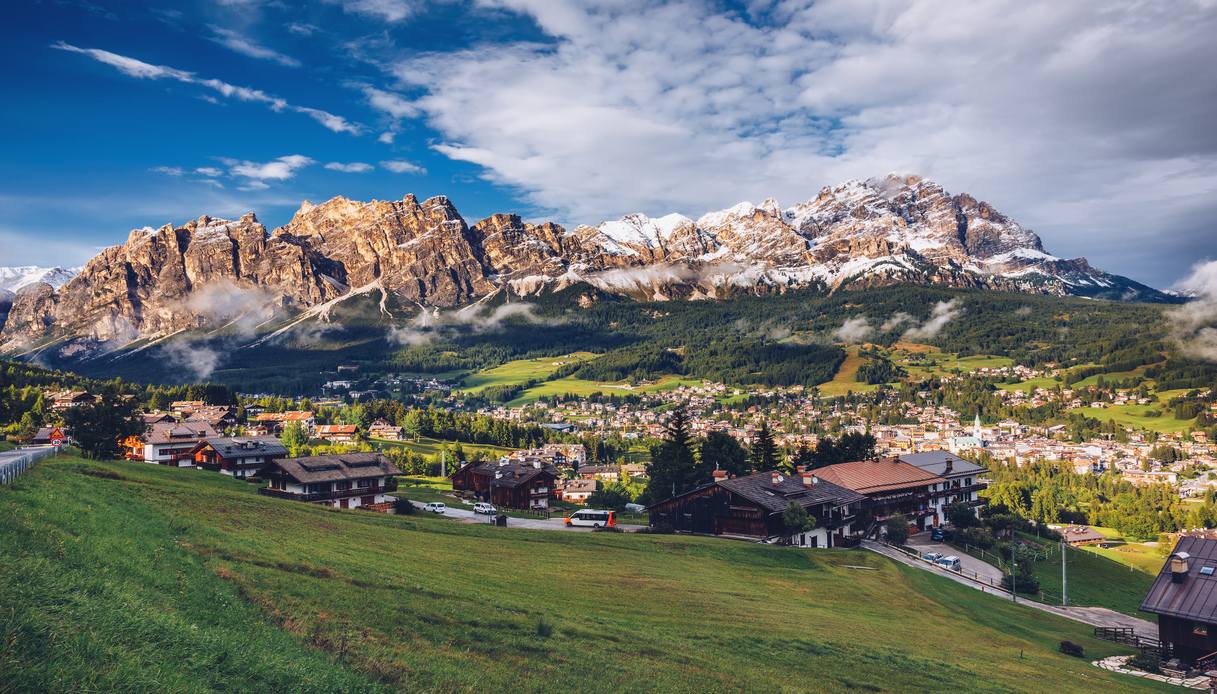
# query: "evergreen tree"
{"points": [[720, 451], [673, 468], [763, 454]]}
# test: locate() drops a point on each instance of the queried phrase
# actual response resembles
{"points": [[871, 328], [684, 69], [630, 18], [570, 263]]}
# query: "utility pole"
{"points": [[443, 463], [1064, 578]]}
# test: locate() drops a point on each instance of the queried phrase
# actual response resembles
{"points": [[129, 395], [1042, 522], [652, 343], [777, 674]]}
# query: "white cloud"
{"points": [[169, 170], [386, 137], [943, 313], [402, 166], [240, 43], [390, 10], [392, 104], [1095, 109], [279, 169], [353, 167], [854, 330], [142, 70], [302, 28], [208, 171], [1194, 324]]}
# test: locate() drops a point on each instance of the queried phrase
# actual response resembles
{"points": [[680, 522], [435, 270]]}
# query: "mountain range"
{"points": [[209, 273]]}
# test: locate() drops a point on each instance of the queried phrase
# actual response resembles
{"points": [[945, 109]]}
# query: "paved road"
{"points": [[1094, 616], [467, 516], [970, 564]]}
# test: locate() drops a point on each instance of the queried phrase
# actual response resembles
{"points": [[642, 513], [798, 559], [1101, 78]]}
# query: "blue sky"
{"points": [[1088, 122]]}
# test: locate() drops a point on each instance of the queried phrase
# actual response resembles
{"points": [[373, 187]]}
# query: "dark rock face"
{"points": [[896, 229]]}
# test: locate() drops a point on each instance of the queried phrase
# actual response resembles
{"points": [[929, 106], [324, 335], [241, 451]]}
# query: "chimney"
{"points": [[720, 475], [536, 464], [1179, 562], [950, 465], [800, 469], [498, 474], [810, 479], [776, 477]]}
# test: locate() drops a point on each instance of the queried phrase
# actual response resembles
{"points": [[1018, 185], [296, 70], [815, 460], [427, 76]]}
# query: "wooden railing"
{"points": [[1129, 637]]}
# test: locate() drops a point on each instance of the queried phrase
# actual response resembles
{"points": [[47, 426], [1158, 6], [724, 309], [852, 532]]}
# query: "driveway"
{"points": [[971, 565], [467, 516]]}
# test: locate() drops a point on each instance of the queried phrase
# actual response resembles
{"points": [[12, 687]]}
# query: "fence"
{"points": [[14, 463], [986, 580]]}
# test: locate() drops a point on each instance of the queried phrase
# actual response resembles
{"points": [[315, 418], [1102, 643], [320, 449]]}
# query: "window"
{"points": [[1206, 571]]}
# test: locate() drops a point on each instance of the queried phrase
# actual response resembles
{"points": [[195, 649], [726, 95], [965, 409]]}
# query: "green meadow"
{"points": [[125, 576]]}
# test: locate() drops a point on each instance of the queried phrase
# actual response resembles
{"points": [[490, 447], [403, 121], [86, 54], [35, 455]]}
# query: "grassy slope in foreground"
{"points": [[134, 577]]}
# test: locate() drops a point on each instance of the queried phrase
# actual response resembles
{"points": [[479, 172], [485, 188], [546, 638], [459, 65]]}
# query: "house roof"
{"points": [[335, 467], [245, 446], [871, 476], [336, 429], [1194, 598], [507, 474], [761, 490], [294, 416], [579, 486], [178, 432], [935, 462]]}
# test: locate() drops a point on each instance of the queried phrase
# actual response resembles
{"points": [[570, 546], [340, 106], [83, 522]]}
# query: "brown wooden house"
{"points": [[1184, 596], [244, 456], [508, 483], [346, 480], [753, 507]]}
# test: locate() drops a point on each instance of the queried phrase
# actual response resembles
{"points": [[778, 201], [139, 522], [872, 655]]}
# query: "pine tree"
{"points": [[764, 452], [673, 468]]}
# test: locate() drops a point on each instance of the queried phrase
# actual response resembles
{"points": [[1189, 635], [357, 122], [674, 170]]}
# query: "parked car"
{"points": [[435, 507], [635, 508], [937, 535], [951, 562], [931, 556], [484, 508]]}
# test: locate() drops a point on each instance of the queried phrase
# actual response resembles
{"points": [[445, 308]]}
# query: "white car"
{"points": [[435, 507], [484, 508]]}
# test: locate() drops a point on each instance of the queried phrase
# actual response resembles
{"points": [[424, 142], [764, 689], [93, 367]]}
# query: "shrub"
{"points": [[1027, 583], [1073, 649], [897, 529], [403, 507], [977, 537], [1146, 662]]}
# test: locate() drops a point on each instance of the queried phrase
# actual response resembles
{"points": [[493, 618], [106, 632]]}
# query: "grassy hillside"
{"points": [[1094, 580], [134, 577]]}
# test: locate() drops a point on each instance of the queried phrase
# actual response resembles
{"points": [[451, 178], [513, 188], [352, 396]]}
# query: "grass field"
{"points": [[1136, 555], [124, 576], [519, 371], [431, 447], [846, 378], [1093, 580], [1135, 416], [578, 386]]}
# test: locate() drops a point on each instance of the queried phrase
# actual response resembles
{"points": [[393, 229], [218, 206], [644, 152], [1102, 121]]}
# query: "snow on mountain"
{"points": [[14, 278]]}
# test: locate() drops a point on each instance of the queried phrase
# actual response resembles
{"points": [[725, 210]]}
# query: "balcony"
{"points": [[331, 495]]}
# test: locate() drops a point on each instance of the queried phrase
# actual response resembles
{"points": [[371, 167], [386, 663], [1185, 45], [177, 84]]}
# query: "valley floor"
{"points": [[122, 576]]}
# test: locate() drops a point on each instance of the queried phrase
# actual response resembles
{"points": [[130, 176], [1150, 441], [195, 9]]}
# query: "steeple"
{"points": [[976, 427]]}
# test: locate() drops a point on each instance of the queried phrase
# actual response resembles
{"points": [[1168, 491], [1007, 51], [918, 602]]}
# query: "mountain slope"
{"points": [[211, 273]]}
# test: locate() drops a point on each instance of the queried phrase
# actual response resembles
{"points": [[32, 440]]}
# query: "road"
{"points": [[971, 565], [1094, 616], [467, 516]]}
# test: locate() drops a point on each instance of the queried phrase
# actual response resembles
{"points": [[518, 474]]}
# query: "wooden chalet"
{"points": [[576, 491], [66, 399], [169, 443], [508, 483], [382, 429], [273, 422], [345, 480], [891, 487], [1184, 596], [753, 507], [337, 433], [240, 456], [218, 416]]}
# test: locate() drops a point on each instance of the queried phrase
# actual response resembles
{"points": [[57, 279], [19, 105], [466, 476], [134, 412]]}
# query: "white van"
{"points": [[435, 507], [951, 562], [591, 518], [483, 508]]}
